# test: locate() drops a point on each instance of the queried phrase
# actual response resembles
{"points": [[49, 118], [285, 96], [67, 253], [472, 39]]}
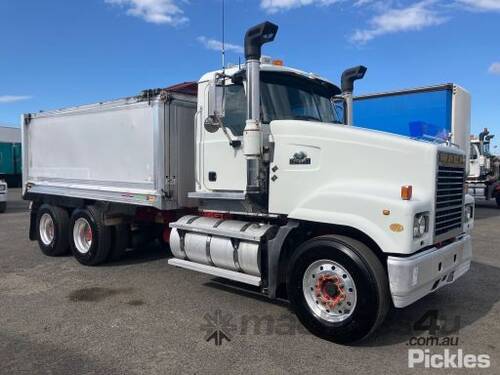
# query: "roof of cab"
{"points": [[265, 67]]}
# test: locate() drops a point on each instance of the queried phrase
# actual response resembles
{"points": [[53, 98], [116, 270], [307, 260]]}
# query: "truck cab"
{"points": [[310, 181]]}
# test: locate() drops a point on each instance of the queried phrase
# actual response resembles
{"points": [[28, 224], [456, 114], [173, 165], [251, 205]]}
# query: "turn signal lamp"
{"points": [[406, 192]]}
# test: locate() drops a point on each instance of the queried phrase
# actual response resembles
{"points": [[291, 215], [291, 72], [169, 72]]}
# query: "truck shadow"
{"points": [[460, 302], [465, 302], [144, 254]]}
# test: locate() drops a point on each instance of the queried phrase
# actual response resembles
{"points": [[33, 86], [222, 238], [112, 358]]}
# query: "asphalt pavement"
{"points": [[142, 316]]}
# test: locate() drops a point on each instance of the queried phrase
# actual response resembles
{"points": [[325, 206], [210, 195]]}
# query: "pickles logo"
{"points": [[300, 158], [447, 359], [441, 347]]}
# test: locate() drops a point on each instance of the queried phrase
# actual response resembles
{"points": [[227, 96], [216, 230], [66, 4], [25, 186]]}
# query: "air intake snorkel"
{"points": [[348, 77], [255, 37]]}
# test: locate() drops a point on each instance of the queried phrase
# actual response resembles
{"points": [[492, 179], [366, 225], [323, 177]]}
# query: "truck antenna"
{"points": [[223, 42]]}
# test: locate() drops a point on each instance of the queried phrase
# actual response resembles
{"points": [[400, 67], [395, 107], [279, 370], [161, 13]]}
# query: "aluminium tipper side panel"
{"points": [[110, 151]]}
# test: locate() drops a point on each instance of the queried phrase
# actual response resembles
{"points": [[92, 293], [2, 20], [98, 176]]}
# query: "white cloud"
{"points": [[393, 20], [481, 4], [153, 11], [13, 98], [216, 45], [494, 68], [359, 3], [273, 6]]}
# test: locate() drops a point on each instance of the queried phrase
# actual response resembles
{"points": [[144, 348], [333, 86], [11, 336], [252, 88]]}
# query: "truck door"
{"points": [[223, 164]]}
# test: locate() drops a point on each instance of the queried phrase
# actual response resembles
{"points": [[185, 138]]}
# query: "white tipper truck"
{"points": [[249, 175]]}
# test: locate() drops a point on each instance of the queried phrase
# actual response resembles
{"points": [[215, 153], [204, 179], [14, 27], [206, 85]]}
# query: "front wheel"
{"points": [[338, 288], [3, 207], [497, 198]]}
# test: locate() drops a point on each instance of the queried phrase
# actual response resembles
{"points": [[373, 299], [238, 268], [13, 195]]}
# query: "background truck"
{"points": [[249, 175], [483, 180]]}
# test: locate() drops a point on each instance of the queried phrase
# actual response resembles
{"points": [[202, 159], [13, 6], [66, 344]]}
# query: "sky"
{"points": [[57, 53]]}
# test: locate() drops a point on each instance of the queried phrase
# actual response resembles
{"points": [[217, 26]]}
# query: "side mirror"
{"points": [[215, 107]]}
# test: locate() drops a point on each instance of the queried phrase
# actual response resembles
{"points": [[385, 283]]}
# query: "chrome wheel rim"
{"points": [[46, 229], [82, 235], [329, 291]]}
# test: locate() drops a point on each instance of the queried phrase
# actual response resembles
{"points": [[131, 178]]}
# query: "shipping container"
{"points": [[434, 113]]}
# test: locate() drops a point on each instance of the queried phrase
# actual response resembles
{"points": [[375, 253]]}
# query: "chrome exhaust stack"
{"points": [[255, 37]]}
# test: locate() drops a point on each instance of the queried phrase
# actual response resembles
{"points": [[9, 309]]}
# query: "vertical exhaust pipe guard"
{"points": [[255, 38], [348, 77]]}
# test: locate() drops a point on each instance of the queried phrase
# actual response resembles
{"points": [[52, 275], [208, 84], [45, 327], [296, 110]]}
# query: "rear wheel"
{"points": [[52, 228], [90, 239], [497, 198], [338, 288]]}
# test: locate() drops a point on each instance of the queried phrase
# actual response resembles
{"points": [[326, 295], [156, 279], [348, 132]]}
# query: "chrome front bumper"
{"points": [[414, 277]]}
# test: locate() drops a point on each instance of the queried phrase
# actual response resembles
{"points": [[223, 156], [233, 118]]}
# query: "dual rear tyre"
{"points": [[52, 224], [83, 233], [90, 239]]}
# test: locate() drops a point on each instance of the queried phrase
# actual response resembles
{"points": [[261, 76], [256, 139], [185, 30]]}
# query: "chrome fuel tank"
{"points": [[230, 244]]}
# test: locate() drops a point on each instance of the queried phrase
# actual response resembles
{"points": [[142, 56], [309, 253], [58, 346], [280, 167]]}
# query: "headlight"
{"points": [[420, 225], [2, 187], [469, 212]]}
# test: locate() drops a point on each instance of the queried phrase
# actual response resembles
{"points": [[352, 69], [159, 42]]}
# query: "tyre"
{"points": [[497, 198], [3, 207], [338, 288], [52, 224], [90, 239], [120, 243]]}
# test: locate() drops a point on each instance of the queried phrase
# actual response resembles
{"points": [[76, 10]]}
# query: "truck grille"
{"points": [[449, 195]]}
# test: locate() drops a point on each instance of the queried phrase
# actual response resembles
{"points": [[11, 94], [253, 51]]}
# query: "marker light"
{"points": [[278, 62], [406, 192]]}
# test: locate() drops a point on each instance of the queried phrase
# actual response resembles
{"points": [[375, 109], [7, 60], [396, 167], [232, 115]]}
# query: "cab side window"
{"points": [[235, 109]]}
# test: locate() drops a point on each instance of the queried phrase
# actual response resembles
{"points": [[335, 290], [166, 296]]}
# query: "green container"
{"points": [[10, 163]]}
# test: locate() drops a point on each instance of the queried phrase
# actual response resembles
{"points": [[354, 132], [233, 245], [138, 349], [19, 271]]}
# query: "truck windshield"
{"points": [[286, 97]]}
